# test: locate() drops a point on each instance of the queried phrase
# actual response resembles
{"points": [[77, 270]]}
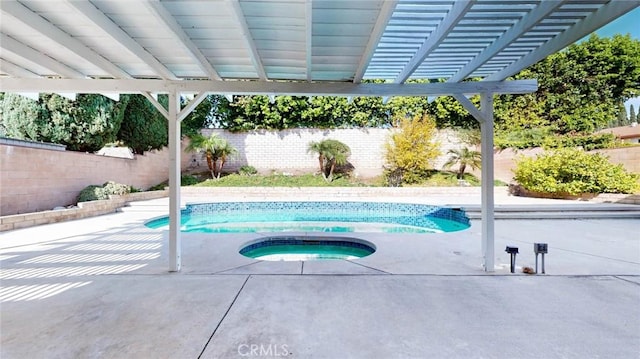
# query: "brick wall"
{"points": [[36, 179]]}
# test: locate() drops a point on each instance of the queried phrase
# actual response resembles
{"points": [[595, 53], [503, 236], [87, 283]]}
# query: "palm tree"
{"points": [[214, 147], [317, 147], [464, 157], [224, 151], [331, 153]]}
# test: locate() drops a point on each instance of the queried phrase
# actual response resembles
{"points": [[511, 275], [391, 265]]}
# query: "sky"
{"points": [[630, 24]]}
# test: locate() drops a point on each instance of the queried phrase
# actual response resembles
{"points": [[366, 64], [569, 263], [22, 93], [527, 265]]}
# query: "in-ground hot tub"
{"points": [[304, 248]]}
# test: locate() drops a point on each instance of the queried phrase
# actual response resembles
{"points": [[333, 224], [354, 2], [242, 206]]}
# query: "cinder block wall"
{"points": [[286, 151], [505, 161], [35, 179]]}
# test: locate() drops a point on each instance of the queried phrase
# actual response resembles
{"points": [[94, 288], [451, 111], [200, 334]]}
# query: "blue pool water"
{"points": [[255, 217], [286, 248]]}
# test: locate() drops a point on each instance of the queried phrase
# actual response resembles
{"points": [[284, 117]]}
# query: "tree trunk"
{"points": [[333, 166], [462, 168], [216, 171], [321, 163], [211, 165], [222, 161]]}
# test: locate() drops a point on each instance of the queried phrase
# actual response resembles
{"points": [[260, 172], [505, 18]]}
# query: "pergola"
{"points": [[294, 47]]}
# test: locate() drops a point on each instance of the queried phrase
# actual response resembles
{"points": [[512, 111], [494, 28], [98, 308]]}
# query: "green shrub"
{"points": [[522, 139], [112, 188], [95, 193], [247, 170], [92, 193], [188, 180], [411, 149], [587, 142], [572, 172], [159, 186], [544, 137]]}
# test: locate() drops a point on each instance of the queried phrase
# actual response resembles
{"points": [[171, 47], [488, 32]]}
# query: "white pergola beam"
{"points": [[308, 36], [470, 107], [457, 12], [156, 104], [384, 16], [605, 14], [36, 22], [161, 13], [525, 24], [15, 70], [31, 55], [344, 89], [248, 39], [191, 106], [97, 17]]}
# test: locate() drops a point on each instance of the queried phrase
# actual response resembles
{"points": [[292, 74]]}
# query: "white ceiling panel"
{"points": [[298, 40]]}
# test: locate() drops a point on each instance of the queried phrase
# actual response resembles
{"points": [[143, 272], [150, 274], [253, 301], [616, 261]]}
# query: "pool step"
{"points": [[159, 205]]}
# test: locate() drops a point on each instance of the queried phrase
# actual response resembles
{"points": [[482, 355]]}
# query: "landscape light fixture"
{"points": [[512, 251], [540, 248]]}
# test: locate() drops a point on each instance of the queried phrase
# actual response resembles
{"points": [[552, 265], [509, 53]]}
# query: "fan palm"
{"points": [[464, 157], [331, 153], [215, 148]]}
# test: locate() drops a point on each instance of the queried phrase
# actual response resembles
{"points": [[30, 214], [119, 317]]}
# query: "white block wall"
{"points": [[286, 151]]}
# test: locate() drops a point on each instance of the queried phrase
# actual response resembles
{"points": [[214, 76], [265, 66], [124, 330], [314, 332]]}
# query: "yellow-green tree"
{"points": [[412, 147]]}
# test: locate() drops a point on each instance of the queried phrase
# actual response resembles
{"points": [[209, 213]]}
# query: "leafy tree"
{"points": [[209, 113], [86, 124], [579, 88], [463, 157], [143, 127], [632, 115], [330, 153], [21, 117], [412, 149], [448, 112], [622, 116], [215, 148]]}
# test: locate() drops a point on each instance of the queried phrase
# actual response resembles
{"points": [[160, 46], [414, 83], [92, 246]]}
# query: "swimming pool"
{"points": [[326, 216]]}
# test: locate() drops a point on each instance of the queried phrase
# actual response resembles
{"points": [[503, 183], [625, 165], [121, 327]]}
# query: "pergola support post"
{"points": [[487, 200], [175, 150], [485, 117]]}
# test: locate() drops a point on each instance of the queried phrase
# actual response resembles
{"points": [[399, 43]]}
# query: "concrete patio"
{"points": [[99, 288]]}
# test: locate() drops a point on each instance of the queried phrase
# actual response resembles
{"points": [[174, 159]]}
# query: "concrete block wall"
{"points": [[286, 151], [83, 210], [505, 161], [36, 179]]}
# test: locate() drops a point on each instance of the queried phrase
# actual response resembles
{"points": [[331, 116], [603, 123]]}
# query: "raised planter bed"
{"points": [[83, 210]]}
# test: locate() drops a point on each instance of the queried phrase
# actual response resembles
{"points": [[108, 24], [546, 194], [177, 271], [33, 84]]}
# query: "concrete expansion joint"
{"points": [[224, 315]]}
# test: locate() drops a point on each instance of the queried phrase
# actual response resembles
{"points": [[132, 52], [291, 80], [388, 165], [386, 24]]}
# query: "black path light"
{"points": [[540, 248], [512, 251]]}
